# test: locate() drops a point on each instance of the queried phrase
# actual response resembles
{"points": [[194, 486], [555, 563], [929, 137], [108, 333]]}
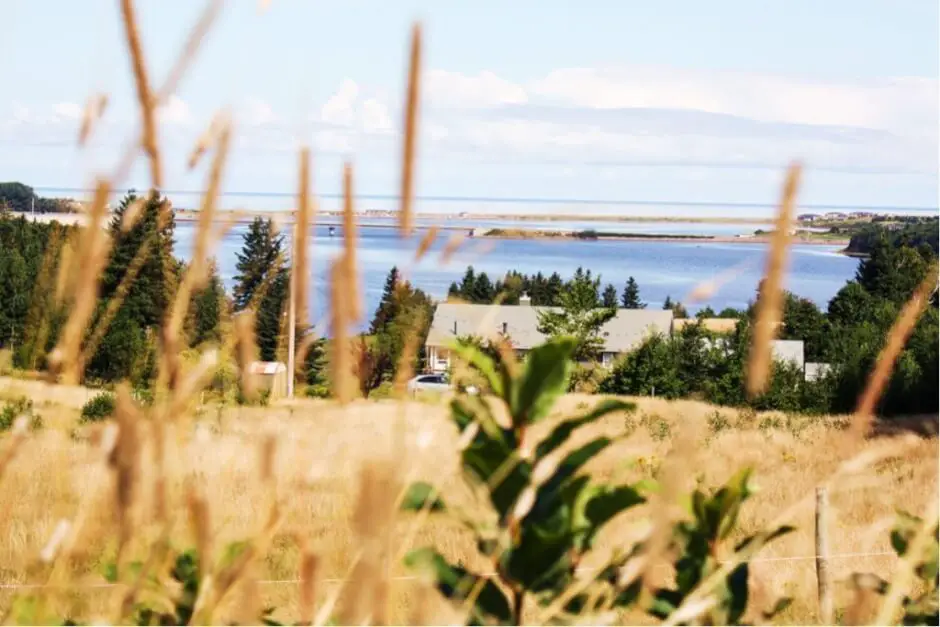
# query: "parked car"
{"points": [[435, 383]]}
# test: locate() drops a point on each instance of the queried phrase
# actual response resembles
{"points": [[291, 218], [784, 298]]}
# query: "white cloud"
{"points": [[257, 112], [375, 117], [340, 108], [904, 105], [452, 89], [68, 110], [174, 112]]}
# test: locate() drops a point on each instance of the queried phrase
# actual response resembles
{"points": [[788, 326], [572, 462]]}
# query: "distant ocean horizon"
{"points": [[495, 205]]}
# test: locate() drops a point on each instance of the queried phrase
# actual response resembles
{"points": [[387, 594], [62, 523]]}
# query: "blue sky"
{"points": [[674, 100]]}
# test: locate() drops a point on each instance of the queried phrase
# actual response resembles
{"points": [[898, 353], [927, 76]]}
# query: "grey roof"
{"points": [[788, 350], [626, 330]]}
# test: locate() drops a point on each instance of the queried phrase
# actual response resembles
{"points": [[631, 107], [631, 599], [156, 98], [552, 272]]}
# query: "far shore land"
{"points": [[466, 223]]}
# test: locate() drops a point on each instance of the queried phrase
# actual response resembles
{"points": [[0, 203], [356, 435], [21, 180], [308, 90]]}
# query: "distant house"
{"points": [[808, 217], [814, 371], [519, 323], [788, 350]]}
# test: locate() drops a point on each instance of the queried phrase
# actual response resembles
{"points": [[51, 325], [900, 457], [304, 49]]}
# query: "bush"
{"points": [[20, 406], [101, 407], [317, 391]]}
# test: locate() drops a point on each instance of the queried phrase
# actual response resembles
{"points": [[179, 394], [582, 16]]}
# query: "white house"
{"points": [[626, 330]]}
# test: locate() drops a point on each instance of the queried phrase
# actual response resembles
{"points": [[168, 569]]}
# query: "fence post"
{"points": [[823, 577]]}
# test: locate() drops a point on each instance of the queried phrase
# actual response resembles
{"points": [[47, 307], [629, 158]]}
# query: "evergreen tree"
{"points": [[678, 310], [151, 291], [389, 305], [609, 298], [207, 307], [705, 312], [128, 346], [631, 295], [270, 320], [483, 292], [259, 259], [468, 285], [553, 288], [264, 279]]}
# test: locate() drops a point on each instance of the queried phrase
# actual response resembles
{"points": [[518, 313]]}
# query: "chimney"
{"points": [[525, 300]]}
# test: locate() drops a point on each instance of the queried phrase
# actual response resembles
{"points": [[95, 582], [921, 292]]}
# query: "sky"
{"points": [[667, 104]]}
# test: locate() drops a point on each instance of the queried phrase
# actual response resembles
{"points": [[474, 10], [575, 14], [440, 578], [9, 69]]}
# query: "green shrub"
{"points": [[13, 409], [317, 391], [548, 512], [99, 408]]}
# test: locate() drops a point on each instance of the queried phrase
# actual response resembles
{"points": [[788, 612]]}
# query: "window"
{"points": [[430, 379]]}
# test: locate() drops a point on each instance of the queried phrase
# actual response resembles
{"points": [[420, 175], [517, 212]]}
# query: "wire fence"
{"points": [[336, 580]]}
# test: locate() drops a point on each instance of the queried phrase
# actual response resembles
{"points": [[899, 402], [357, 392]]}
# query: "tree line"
{"points": [[692, 363], [21, 198]]}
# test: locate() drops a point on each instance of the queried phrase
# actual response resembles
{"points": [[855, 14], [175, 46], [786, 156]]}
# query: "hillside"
{"points": [[790, 456]]}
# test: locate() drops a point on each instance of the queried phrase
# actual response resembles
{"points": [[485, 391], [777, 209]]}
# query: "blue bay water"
{"points": [[660, 268]]}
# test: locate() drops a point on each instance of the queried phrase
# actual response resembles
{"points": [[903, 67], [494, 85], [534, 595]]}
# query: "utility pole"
{"points": [[292, 320]]}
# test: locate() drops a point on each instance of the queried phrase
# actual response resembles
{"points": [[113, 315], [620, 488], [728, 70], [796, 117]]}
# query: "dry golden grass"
{"points": [[322, 447]]}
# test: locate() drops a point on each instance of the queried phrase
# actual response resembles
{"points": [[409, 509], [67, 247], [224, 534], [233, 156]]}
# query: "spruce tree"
{"points": [[151, 291], [389, 305], [609, 298], [631, 295], [127, 346], [259, 259], [468, 284], [207, 307]]}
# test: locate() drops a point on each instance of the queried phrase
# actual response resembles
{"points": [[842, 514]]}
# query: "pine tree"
{"points": [[553, 290], [389, 305], [468, 284], [609, 298], [127, 347], [151, 291], [631, 295], [483, 291], [270, 320], [263, 279], [206, 309], [258, 260]]}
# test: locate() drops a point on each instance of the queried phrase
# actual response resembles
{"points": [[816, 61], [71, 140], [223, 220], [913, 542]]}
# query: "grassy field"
{"points": [[321, 449]]}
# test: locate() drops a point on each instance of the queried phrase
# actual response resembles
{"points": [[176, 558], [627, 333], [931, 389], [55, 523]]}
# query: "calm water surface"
{"points": [[660, 268]]}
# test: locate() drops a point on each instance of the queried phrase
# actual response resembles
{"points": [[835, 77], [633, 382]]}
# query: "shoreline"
{"points": [[666, 238]]}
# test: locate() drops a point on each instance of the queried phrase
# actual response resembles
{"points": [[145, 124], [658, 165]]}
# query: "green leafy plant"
{"points": [[13, 409], [98, 408], [547, 513], [921, 607], [701, 573]]}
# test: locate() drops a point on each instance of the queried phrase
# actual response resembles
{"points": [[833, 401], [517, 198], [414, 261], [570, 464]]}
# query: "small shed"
{"points": [[271, 376]]}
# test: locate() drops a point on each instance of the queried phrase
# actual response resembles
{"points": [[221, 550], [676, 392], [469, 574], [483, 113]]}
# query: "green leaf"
{"points": [[544, 379], [456, 583], [422, 495], [495, 373], [603, 504], [563, 431], [548, 492]]}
